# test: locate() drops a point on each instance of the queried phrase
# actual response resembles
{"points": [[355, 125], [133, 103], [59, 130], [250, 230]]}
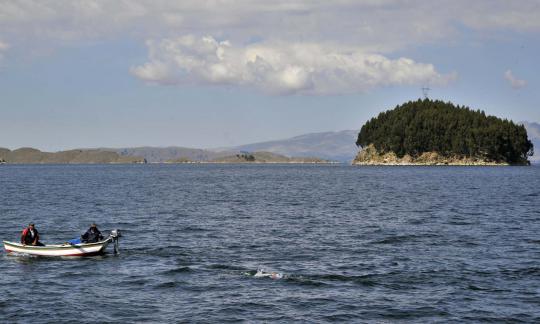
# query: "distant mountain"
{"points": [[265, 157], [333, 146], [533, 132], [336, 146], [28, 155], [167, 154]]}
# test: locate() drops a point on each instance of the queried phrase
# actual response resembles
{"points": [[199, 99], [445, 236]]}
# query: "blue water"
{"points": [[356, 244]]}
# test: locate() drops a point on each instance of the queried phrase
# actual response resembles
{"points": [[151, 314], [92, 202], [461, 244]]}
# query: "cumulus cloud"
{"points": [[279, 68], [515, 82]]}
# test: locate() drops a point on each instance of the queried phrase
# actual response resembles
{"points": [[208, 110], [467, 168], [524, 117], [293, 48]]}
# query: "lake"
{"points": [[355, 244]]}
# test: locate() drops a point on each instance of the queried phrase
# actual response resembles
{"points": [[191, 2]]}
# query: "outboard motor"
{"points": [[115, 236]]}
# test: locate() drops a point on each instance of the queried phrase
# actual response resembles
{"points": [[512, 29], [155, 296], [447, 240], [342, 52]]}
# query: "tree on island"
{"points": [[246, 156], [435, 126]]}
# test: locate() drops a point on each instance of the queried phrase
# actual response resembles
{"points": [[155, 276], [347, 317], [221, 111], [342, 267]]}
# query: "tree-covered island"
{"points": [[436, 132]]}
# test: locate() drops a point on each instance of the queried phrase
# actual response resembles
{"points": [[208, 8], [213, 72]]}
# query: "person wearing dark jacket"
{"points": [[93, 235], [30, 236]]}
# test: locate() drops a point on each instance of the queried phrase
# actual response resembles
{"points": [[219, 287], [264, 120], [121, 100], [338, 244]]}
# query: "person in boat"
{"points": [[30, 236], [92, 235]]}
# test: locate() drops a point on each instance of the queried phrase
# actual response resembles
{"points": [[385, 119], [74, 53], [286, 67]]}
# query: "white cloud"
{"points": [[515, 82], [279, 68]]}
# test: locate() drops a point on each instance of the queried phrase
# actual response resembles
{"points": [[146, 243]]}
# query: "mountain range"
{"points": [[28, 155], [168, 154], [334, 146]]}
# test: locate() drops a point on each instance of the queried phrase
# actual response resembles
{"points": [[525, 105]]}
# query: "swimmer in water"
{"points": [[276, 275], [272, 275]]}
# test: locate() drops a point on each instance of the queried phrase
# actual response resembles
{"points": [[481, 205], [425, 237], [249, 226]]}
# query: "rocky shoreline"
{"points": [[371, 156]]}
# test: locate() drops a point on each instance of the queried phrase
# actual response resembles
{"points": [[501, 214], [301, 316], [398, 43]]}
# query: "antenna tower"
{"points": [[425, 92]]}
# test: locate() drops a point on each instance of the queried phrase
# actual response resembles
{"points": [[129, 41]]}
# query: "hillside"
{"points": [[334, 146], [168, 154], [34, 156], [265, 157], [435, 132]]}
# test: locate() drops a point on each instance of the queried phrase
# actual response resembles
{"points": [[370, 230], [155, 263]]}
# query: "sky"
{"points": [[206, 74]]}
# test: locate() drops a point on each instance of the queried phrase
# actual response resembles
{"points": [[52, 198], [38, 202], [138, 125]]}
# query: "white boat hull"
{"points": [[83, 249]]}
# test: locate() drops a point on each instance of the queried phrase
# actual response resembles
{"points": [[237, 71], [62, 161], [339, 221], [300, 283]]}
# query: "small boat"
{"points": [[66, 249]]}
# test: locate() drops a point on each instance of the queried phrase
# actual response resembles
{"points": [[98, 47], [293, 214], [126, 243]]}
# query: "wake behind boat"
{"points": [[66, 249]]}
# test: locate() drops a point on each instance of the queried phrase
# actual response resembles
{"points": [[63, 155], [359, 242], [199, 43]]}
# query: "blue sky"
{"points": [[222, 73]]}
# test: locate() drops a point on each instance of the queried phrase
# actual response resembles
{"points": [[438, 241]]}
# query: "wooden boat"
{"points": [[66, 249]]}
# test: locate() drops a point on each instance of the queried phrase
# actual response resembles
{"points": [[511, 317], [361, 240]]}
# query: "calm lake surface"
{"points": [[356, 244]]}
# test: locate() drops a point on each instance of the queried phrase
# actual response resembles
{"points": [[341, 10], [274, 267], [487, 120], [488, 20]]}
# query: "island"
{"points": [[29, 155], [433, 132]]}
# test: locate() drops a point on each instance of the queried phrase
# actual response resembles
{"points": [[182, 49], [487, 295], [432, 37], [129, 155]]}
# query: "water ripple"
{"points": [[375, 244]]}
